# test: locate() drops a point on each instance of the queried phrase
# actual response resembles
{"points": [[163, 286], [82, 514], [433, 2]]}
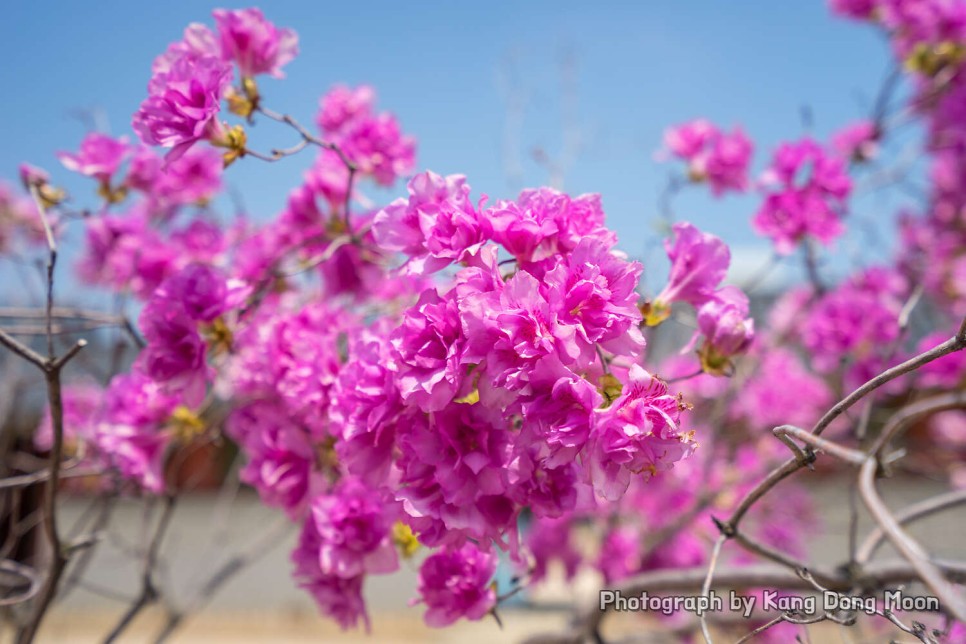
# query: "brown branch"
{"points": [[51, 367], [24, 480], [899, 420], [909, 514], [22, 350], [706, 586], [949, 346], [841, 452], [149, 591], [26, 573], [308, 137], [255, 550], [906, 545]]}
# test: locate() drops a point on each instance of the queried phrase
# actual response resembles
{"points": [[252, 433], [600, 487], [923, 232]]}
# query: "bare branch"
{"points": [[906, 545], [953, 344], [909, 514]]}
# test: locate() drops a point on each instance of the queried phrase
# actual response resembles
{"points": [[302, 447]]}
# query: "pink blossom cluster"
{"points": [[857, 142], [850, 322], [128, 427], [712, 155], [19, 219], [926, 34], [488, 393], [372, 141], [191, 78], [699, 262], [186, 305], [805, 196], [928, 37], [470, 377]]}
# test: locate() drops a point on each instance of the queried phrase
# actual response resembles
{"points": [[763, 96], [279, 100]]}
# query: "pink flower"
{"points": [[175, 352], [856, 9], [353, 526], [130, 432], [357, 270], [549, 491], [810, 189], [595, 291], [374, 142], [379, 148], [699, 261], [857, 142], [183, 104], [338, 597], [302, 357], [781, 391], [194, 177], [343, 104], [721, 159], [99, 156], [561, 414], [549, 540], [727, 163], [723, 321], [855, 321], [202, 292], [281, 459], [329, 178], [637, 434], [139, 455], [620, 554], [256, 45], [685, 550], [197, 42], [366, 407], [948, 371], [293, 357], [302, 224], [512, 329], [201, 240], [453, 482], [454, 583], [687, 141], [437, 226], [81, 406], [544, 222], [427, 352], [144, 169], [124, 252]]}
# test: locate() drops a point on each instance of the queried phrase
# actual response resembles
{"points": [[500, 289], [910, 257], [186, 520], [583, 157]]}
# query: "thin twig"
{"points": [[308, 137], [149, 591], [909, 514], [197, 600], [953, 344], [706, 587], [51, 368]]}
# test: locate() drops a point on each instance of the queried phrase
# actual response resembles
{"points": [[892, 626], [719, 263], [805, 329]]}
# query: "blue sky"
{"points": [[639, 66]]}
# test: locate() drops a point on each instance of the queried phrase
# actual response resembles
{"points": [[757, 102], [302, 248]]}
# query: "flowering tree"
{"points": [[466, 378]]}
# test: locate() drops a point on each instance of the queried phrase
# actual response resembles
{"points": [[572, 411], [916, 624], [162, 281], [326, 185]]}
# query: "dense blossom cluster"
{"points": [[806, 190], [470, 376], [502, 374], [714, 156], [929, 38]]}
